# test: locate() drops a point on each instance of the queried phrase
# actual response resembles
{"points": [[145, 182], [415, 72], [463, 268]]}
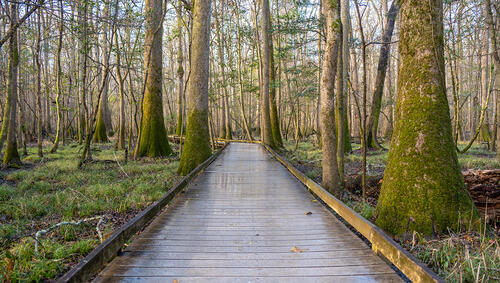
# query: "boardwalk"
{"points": [[247, 219]]}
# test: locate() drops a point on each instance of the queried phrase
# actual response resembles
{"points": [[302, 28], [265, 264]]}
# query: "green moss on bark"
{"points": [[197, 146], [100, 135], [11, 156], [423, 189], [153, 141]]}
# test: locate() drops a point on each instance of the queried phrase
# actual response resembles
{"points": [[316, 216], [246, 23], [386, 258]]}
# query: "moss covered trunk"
{"points": [[331, 179], [423, 189], [153, 135], [100, 135], [197, 145], [11, 155]]}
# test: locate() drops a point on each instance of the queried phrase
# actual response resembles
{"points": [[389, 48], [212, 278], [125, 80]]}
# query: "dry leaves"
{"points": [[308, 213], [297, 250]]}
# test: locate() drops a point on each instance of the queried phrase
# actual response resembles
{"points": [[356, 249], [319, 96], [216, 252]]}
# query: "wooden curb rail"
{"points": [[105, 252], [382, 244]]}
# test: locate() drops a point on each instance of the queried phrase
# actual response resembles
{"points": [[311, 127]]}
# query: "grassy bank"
{"points": [[107, 192]]}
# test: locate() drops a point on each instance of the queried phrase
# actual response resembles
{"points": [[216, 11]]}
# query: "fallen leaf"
{"points": [[314, 200], [309, 213], [296, 250]]}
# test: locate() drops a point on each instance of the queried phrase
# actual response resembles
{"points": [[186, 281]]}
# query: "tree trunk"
{"points": [[484, 134], [345, 19], [385, 50], [59, 82], [121, 89], [153, 140], [11, 156], [180, 79], [38, 87], [265, 123], [197, 145], [423, 189], [331, 179], [273, 114], [493, 27], [339, 109]]}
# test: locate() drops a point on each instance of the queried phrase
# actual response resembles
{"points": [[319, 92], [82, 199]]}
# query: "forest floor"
{"points": [[457, 257], [51, 190]]}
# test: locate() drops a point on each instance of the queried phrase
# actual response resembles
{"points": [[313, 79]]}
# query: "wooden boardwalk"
{"points": [[247, 219]]}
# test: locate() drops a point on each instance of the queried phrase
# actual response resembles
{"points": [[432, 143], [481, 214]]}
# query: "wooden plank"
{"points": [[249, 263], [275, 279], [152, 254], [126, 271]]}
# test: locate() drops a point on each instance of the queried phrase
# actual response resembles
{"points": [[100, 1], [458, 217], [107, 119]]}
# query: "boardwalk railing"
{"points": [[106, 251]]}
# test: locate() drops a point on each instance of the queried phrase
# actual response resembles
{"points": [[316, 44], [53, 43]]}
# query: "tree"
{"points": [[38, 86], [373, 120], [273, 111], [423, 189], [11, 156], [493, 27], [197, 145], [59, 129], [152, 139], [121, 89], [180, 77], [103, 121], [265, 119], [341, 100], [331, 178]]}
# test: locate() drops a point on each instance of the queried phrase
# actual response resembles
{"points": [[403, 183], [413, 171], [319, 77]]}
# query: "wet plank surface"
{"points": [[240, 222]]}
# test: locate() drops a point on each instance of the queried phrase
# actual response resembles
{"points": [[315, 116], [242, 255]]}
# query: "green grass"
{"points": [[53, 189], [477, 157], [467, 257]]}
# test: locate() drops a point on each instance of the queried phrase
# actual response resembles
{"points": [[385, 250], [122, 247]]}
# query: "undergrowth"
{"points": [[52, 189]]}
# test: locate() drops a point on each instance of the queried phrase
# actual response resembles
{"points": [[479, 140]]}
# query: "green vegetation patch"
{"points": [[52, 190]]}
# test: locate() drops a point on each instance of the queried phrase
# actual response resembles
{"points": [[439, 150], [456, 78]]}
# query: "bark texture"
{"points": [[153, 138], [11, 155], [331, 179], [197, 146], [423, 189], [265, 119]]}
